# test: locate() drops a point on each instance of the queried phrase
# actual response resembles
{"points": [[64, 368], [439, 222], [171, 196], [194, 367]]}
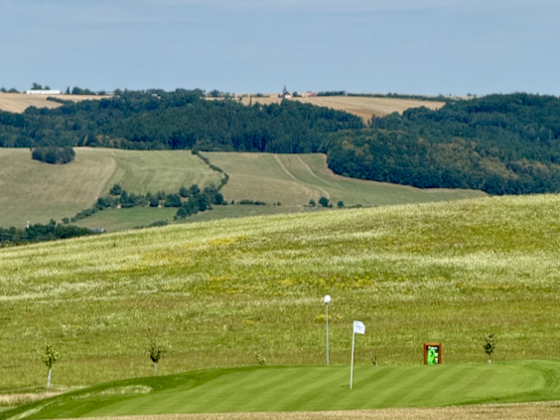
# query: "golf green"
{"points": [[268, 389]]}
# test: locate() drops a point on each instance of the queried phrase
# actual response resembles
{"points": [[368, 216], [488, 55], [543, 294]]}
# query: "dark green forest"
{"points": [[151, 120], [501, 144]]}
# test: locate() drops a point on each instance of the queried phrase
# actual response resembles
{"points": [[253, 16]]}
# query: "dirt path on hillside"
{"points": [[525, 411], [325, 192]]}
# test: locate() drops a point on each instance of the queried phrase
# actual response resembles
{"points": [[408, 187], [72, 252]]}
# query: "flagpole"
{"points": [[327, 318], [352, 362], [327, 299]]}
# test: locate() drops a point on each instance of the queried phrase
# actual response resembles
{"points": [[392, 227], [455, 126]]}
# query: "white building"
{"points": [[44, 92]]}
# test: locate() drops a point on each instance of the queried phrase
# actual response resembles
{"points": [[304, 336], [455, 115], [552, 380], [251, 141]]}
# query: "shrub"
{"points": [[53, 154], [116, 190]]}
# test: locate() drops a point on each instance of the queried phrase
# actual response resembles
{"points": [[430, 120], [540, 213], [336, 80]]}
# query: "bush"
{"points": [[116, 190], [184, 192], [53, 154], [324, 202], [172, 200]]}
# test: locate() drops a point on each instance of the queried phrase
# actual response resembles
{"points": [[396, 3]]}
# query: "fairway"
{"points": [[295, 179], [37, 192], [262, 389]]}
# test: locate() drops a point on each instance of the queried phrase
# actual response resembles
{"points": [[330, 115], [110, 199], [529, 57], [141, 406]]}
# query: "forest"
{"points": [[155, 119], [501, 144]]}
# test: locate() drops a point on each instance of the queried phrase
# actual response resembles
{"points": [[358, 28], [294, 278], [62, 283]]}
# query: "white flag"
{"points": [[359, 327]]}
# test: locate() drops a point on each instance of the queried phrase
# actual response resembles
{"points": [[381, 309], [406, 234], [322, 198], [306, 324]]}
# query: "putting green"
{"points": [[266, 389]]}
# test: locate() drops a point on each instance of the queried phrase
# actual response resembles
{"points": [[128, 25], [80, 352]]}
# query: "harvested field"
{"points": [[19, 102], [37, 192], [362, 106]]}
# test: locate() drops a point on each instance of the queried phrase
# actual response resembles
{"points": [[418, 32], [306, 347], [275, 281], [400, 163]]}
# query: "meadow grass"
{"points": [[121, 219], [218, 292], [295, 179], [265, 389], [142, 171]]}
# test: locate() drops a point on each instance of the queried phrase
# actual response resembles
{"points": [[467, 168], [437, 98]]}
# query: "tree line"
{"points": [[501, 144], [39, 233], [182, 119]]}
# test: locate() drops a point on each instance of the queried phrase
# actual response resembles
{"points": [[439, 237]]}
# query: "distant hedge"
{"points": [[53, 154]]}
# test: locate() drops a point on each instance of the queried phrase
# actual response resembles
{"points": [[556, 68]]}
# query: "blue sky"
{"points": [[404, 46]]}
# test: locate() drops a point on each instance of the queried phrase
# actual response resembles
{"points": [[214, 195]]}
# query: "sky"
{"points": [[426, 47]]}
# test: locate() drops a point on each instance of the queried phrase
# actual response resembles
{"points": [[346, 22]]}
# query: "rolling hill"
{"points": [[217, 293], [36, 192]]}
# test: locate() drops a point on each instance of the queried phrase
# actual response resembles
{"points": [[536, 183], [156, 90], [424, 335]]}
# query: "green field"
{"points": [[217, 292], [295, 179], [121, 219], [264, 389], [37, 192]]}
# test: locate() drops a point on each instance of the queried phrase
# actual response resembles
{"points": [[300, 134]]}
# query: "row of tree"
{"points": [[39, 233], [188, 201]]}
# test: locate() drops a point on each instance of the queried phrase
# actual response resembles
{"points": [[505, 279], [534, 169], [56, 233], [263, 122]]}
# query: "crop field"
{"points": [[37, 191], [19, 102], [285, 389], [295, 179], [363, 107], [155, 170], [219, 292]]}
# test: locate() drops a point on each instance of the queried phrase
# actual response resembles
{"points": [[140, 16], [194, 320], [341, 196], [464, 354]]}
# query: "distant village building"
{"points": [[286, 94], [43, 92]]}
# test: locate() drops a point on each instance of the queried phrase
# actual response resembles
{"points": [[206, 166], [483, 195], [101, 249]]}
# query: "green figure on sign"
{"points": [[432, 356]]}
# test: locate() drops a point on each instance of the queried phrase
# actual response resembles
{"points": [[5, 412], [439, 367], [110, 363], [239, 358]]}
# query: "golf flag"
{"points": [[359, 327]]}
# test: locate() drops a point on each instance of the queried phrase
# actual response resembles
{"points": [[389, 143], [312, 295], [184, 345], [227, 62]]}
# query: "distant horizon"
{"points": [[447, 47], [448, 95]]}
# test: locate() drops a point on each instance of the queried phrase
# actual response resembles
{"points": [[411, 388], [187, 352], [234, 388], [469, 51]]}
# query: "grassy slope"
{"points": [[261, 389], [140, 171], [37, 191], [295, 179], [218, 292]]}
